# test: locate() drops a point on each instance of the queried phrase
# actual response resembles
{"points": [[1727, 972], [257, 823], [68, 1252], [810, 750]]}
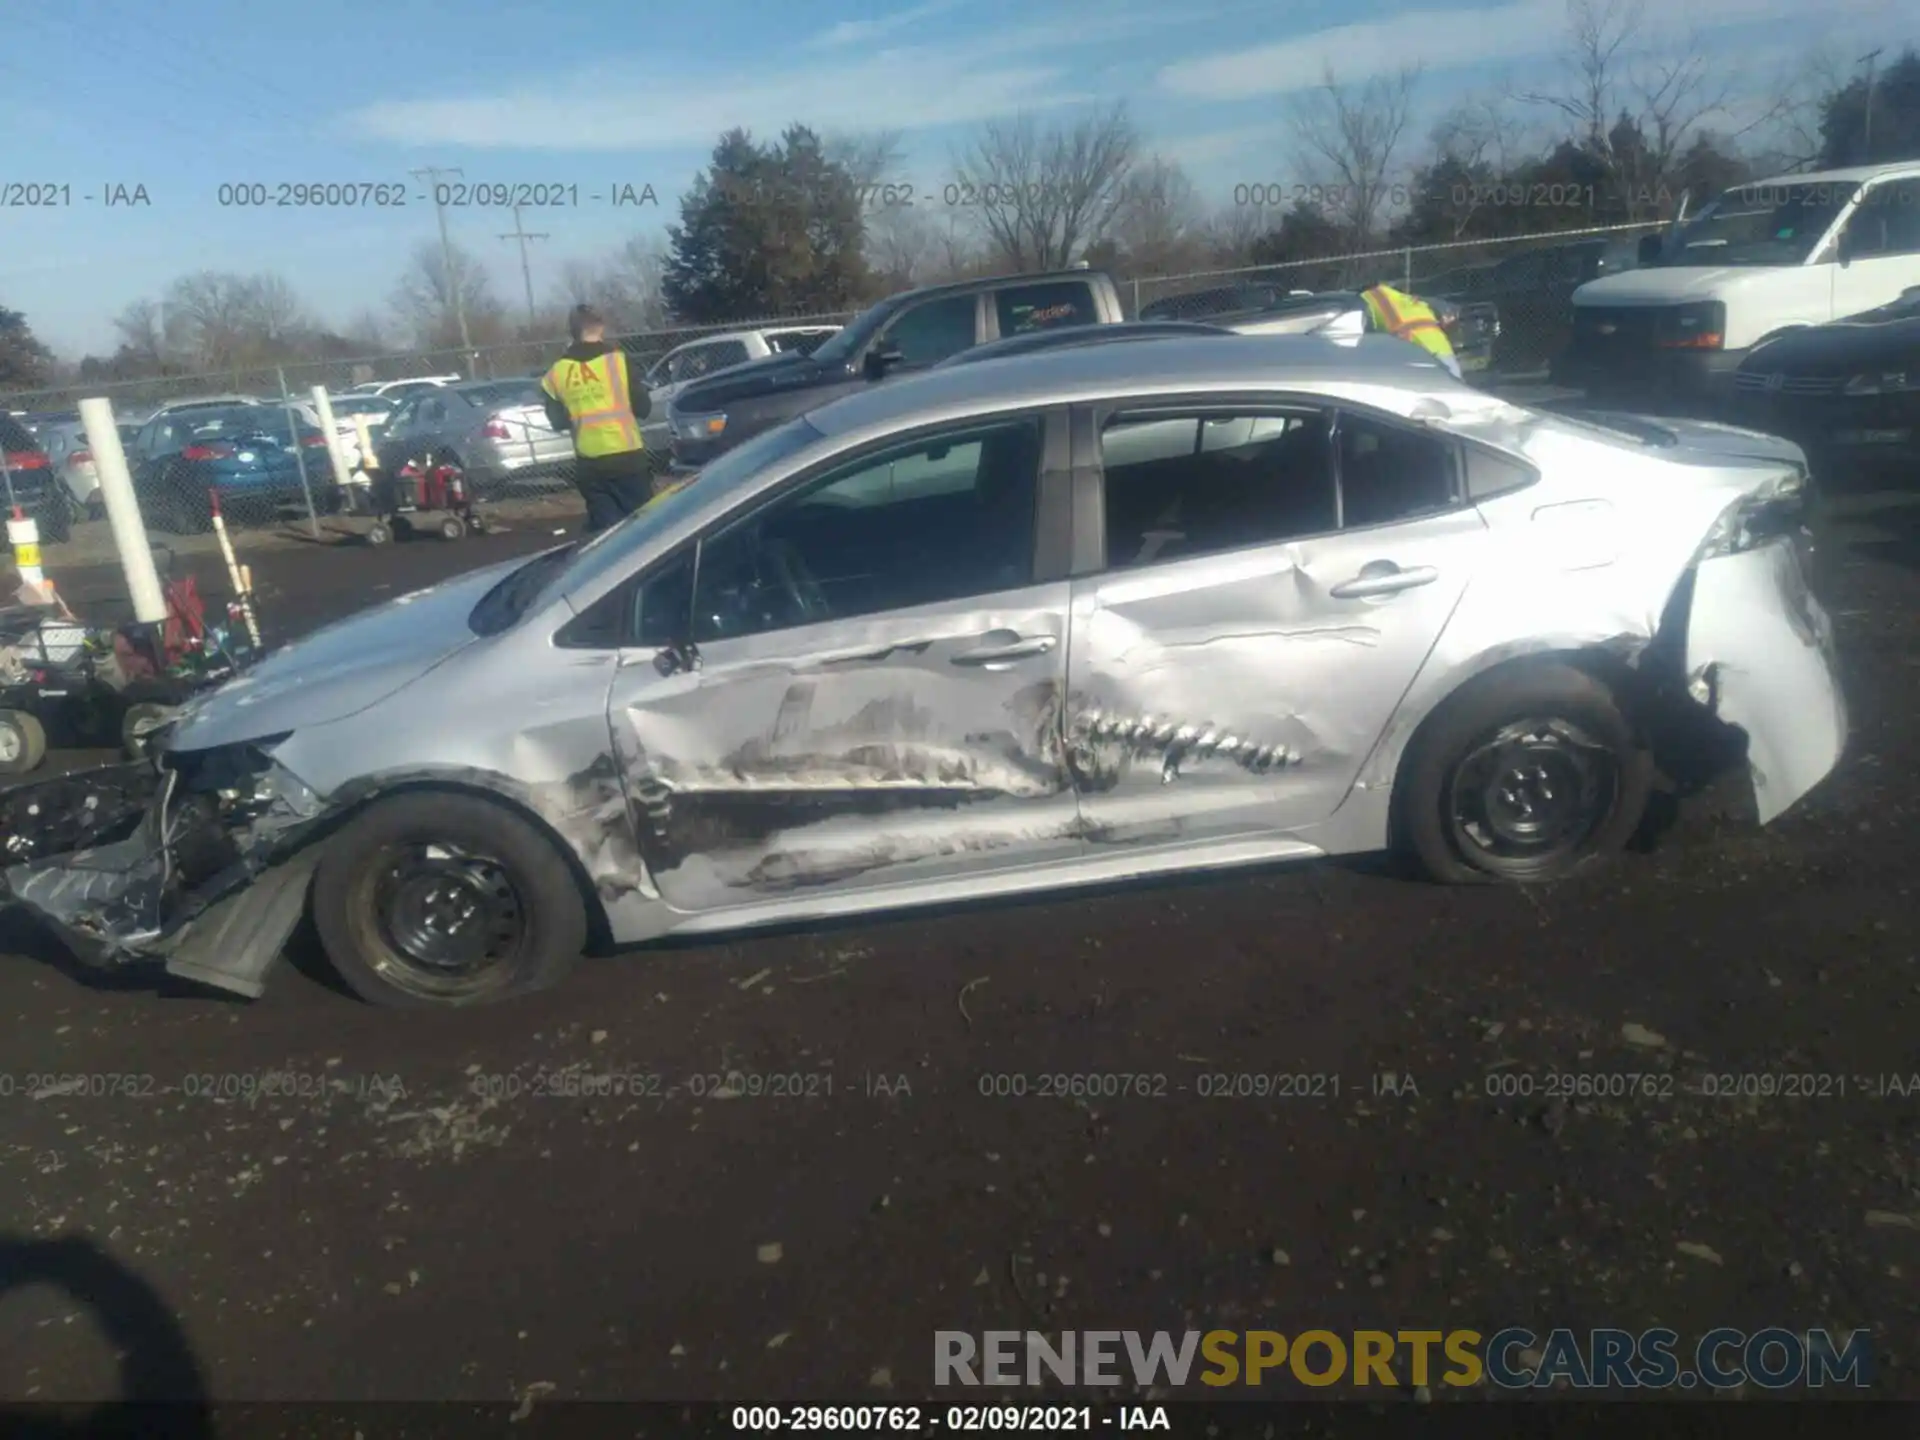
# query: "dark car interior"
{"points": [[917, 528], [1217, 499]]}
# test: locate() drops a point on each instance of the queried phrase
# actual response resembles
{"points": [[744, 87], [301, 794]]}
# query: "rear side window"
{"points": [[1041, 307], [929, 333], [729, 352], [1183, 486], [1390, 473], [1490, 473]]}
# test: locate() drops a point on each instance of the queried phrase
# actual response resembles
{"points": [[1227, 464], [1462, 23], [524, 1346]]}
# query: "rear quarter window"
{"points": [[1491, 473], [1026, 308]]}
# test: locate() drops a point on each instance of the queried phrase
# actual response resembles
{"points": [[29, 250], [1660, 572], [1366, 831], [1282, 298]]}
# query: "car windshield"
{"points": [[1759, 225], [614, 550], [1907, 307]]}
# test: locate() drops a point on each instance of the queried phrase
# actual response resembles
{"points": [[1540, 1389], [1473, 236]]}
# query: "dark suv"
{"points": [[902, 335]]}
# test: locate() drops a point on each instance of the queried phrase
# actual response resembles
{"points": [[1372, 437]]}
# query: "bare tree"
{"points": [[224, 320], [624, 286], [1483, 137], [1229, 234], [1347, 140], [141, 333], [870, 158], [1788, 135], [1041, 198], [366, 333], [1158, 227], [423, 299], [1666, 96]]}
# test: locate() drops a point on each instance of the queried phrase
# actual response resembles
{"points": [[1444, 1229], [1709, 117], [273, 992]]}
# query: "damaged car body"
{"points": [[1067, 618]]}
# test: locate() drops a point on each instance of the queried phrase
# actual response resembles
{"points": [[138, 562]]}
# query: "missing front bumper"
{"points": [[207, 883]]}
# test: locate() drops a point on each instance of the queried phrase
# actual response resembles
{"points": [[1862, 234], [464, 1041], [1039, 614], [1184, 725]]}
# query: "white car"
{"points": [[399, 389], [1759, 261]]}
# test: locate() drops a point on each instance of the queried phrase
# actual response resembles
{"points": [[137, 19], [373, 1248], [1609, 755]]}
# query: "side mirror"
{"points": [[1648, 251], [882, 358]]}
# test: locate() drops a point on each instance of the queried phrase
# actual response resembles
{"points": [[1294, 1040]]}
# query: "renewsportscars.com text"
{"points": [[1514, 1358]]}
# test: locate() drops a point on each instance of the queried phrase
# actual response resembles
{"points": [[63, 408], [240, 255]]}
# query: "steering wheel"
{"points": [[791, 574]]}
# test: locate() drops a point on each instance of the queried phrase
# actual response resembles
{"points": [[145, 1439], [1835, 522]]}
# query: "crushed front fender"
{"points": [[1761, 647], [207, 875]]}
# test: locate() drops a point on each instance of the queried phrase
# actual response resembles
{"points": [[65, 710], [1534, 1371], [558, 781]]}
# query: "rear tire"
{"points": [[138, 715], [23, 742], [1527, 776], [452, 528], [442, 901]]}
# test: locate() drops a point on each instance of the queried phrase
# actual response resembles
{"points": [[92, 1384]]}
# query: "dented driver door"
{"points": [[816, 736]]}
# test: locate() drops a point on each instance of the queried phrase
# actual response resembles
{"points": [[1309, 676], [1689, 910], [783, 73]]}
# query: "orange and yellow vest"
{"points": [[595, 394], [1400, 314]]}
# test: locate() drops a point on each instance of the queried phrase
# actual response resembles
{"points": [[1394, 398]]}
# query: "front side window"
{"points": [[1777, 224], [935, 520], [928, 334], [1183, 486]]}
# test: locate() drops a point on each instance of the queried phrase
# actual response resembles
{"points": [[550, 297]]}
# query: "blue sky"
{"points": [[184, 97]]}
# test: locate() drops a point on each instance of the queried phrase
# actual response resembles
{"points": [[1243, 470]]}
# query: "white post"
{"points": [[341, 474], [123, 511]]}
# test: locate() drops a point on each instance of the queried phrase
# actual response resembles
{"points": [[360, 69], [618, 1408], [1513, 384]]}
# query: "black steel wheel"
{"points": [[434, 899], [1529, 774]]}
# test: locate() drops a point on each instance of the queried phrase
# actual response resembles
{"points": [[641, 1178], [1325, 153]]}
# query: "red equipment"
{"points": [[417, 489]]}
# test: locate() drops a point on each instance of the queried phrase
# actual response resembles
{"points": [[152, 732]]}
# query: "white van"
{"points": [[1761, 259]]}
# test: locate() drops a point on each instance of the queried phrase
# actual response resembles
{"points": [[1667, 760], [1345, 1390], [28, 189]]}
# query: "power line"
{"points": [[456, 284], [523, 235]]}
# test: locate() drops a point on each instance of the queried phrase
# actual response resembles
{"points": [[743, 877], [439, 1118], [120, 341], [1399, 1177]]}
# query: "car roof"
{"points": [[1067, 337], [1830, 177], [1078, 373]]}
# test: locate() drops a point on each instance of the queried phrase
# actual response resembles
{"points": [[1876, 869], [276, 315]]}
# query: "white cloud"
{"points": [[1440, 40], [845, 83], [861, 32], [1206, 148]]}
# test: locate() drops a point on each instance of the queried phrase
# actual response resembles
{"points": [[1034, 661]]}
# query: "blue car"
{"points": [[245, 453]]}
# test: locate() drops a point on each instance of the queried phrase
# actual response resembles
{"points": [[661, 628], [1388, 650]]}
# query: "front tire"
{"points": [[1527, 776], [432, 900]]}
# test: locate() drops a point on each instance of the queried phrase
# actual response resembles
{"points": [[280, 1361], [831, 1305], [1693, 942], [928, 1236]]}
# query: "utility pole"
{"points": [[523, 235], [454, 283], [1866, 157]]}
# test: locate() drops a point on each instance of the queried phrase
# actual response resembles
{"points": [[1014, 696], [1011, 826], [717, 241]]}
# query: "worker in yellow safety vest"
{"points": [[1399, 314], [590, 392]]}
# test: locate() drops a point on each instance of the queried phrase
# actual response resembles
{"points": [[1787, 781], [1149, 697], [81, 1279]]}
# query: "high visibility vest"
{"points": [[1410, 319], [595, 394]]}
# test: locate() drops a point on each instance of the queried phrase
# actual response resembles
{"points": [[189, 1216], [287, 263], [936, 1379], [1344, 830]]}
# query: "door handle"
{"points": [[1016, 650], [1382, 577]]}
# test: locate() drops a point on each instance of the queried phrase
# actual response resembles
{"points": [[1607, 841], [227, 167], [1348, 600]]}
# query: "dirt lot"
{"points": [[389, 1224]]}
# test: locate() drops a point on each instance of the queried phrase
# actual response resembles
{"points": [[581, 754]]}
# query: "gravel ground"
{"points": [[389, 1225]]}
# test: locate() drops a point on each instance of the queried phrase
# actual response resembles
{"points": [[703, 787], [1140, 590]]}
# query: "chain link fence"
{"points": [[254, 434], [1522, 286]]}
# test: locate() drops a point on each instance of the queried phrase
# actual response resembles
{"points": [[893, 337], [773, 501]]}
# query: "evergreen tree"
{"points": [[24, 361]]}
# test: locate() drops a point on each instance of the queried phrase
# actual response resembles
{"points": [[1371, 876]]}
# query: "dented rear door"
{"points": [[819, 753], [1236, 693]]}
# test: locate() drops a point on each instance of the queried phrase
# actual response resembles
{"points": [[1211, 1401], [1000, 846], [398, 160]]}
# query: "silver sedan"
{"points": [[1074, 617]]}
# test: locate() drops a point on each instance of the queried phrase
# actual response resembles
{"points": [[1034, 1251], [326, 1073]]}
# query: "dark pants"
{"points": [[614, 486]]}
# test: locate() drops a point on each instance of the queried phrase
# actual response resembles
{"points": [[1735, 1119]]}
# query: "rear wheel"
{"points": [[452, 528], [23, 742], [141, 717], [433, 900], [1527, 776]]}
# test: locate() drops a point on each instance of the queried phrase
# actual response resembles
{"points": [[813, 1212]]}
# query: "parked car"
{"points": [[65, 445], [696, 359], [35, 487], [1075, 336], [1792, 251], [402, 388], [1240, 298], [1848, 393], [1343, 313], [902, 334], [1532, 294], [244, 452], [494, 431], [930, 643]]}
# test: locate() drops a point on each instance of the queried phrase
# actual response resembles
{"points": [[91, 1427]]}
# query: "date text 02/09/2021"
{"points": [[462, 195], [912, 1419]]}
